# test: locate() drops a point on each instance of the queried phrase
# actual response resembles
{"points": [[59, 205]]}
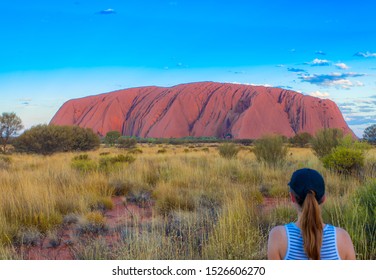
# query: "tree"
{"points": [[370, 134], [112, 137], [10, 124]]}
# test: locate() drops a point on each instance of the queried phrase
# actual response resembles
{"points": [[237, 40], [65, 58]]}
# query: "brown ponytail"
{"points": [[311, 224]]}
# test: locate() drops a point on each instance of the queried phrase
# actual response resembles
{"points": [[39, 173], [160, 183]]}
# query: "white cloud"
{"points": [[248, 84], [365, 54], [319, 62], [343, 83], [107, 12], [342, 66], [335, 79], [319, 94], [263, 85]]}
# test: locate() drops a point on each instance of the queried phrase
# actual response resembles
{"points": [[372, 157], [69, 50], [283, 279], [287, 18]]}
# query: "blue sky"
{"points": [[52, 51]]}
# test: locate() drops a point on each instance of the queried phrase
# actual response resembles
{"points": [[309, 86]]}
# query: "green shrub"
{"points": [[348, 157], [111, 137], [81, 157], [82, 139], [344, 160], [301, 139], [135, 151], [326, 140], [126, 143], [84, 165], [162, 151], [106, 163], [49, 139], [228, 150], [271, 150]]}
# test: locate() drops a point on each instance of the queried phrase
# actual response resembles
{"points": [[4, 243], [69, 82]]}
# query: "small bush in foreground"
{"points": [[107, 163], [270, 150], [93, 223], [344, 160], [84, 165], [228, 150], [326, 140]]}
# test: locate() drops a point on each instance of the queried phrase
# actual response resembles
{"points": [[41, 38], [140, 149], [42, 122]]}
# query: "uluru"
{"points": [[202, 109]]}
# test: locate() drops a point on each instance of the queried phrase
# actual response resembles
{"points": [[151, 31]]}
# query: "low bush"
{"points": [[228, 150], [49, 139], [84, 165], [301, 139], [81, 157], [270, 150], [126, 143], [28, 237], [326, 140], [344, 160], [108, 163], [93, 223], [348, 157], [162, 151]]}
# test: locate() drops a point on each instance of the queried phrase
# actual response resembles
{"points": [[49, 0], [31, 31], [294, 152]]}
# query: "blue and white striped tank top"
{"points": [[295, 249]]}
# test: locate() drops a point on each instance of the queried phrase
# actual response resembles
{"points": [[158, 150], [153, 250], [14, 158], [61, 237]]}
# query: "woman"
{"points": [[309, 237]]}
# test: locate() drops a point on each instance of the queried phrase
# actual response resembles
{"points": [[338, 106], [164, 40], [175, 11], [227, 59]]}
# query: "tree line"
{"points": [[49, 139]]}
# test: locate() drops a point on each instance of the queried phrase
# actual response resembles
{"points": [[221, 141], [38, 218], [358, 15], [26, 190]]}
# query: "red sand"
{"points": [[119, 215]]}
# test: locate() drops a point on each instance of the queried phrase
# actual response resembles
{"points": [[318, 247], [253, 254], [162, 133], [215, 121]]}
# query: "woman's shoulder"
{"points": [[277, 243], [344, 243], [277, 230]]}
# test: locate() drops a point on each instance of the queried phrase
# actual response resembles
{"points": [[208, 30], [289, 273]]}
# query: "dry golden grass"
{"points": [[205, 205]]}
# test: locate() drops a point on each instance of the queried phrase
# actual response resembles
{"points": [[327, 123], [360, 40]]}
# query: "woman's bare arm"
{"points": [[345, 246], [277, 243]]}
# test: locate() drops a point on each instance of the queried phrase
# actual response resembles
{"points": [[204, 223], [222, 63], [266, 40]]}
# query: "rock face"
{"points": [[202, 109]]}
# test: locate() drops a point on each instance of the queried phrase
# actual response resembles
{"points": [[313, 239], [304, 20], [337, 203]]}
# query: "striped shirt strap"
{"points": [[295, 244]]}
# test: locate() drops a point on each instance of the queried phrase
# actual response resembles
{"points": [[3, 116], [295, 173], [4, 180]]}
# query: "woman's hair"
{"points": [[308, 188], [311, 224]]}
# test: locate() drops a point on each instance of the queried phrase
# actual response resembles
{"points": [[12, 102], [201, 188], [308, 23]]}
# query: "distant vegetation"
{"points": [[370, 134], [228, 150], [49, 139], [271, 150], [10, 125]]}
